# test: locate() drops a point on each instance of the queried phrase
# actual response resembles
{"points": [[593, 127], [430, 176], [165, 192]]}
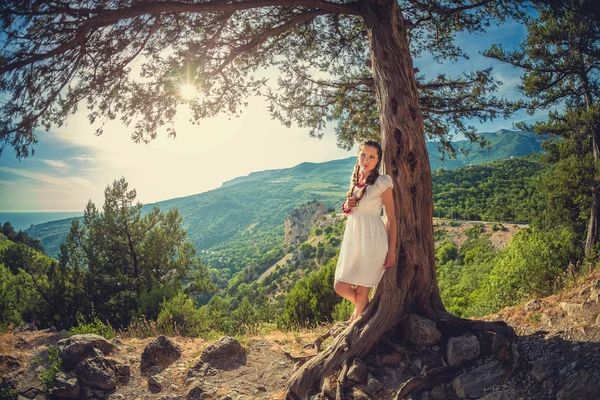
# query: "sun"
{"points": [[188, 91]]}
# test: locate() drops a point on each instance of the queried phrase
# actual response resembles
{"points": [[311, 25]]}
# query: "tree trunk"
{"points": [[594, 226], [411, 283]]}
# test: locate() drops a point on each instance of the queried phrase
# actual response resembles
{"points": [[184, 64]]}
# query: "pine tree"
{"points": [[561, 64]]}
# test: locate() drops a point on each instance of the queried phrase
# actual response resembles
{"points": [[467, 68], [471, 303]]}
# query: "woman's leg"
{"points": [[345, 290], [362, 299]]}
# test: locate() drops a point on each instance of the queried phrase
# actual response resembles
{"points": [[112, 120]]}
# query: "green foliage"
{"points": [[21, 237], [96, 326], [48, 375], [180, 315], [312, 299], [530, 266], [7, 390], [342, 311], [498, 191]]}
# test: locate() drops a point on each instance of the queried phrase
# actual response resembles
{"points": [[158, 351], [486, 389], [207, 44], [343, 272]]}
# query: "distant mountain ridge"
{"points": [[260, 201]]}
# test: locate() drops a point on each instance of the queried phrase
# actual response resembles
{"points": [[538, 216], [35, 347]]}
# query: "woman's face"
{"points": [[368, 158]]}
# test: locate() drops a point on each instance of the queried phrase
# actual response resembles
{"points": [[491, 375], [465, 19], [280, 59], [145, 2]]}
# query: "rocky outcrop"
{"points": [[298, 224], [77, 348], [160, 353], [226, 353]]}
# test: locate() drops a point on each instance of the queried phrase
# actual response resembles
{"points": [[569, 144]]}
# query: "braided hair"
{"points": [[372, 176]]}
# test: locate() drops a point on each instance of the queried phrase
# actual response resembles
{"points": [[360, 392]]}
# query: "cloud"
{"points": [[57, 164], [75, 182]]}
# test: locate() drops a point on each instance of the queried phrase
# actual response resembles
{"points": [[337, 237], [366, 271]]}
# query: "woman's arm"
{"points": [[390, 212]]}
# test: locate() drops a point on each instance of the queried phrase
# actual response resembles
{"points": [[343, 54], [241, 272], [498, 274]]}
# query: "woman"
{"points": [[368, 248]]}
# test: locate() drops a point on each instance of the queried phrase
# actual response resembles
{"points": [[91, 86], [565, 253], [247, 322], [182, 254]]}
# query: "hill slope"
{"points": [[256, 204]]}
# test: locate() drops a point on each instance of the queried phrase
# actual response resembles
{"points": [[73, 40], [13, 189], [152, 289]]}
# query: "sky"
{"points": [[71, 165]]}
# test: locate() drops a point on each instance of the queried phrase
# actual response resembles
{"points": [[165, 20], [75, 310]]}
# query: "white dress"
{"points": [[365, 242]]}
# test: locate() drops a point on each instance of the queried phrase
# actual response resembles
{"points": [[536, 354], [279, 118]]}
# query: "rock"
{"points": [[160, 352], [358, 371], [533, 305], [421, 331], [155, 383], [501, 395], [97, 373], [579, 386], [571, 308], [9, 362], [26, 327], [542, 369], [546, 320], [225, 353], [472, 383], [77, 348], [438, 392], [462, 349], [373, 386], [196, 393], [66, 386], [116, 397]]}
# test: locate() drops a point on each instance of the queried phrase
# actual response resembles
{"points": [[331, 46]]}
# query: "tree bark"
{"points": [[411, 283], [594, 225]]}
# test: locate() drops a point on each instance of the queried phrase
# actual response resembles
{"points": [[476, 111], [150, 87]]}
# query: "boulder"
{"points": [[160, 352], [77, 348], [155, 383], [580, 385], [196, 393], [225, 353], [65, 386], [472, 383], [97, 373], [358, 371], [421, 331], [462, 349], [373, 386]]}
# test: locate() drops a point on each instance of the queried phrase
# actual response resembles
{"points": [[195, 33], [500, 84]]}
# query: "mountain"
{"points": [[503, 144], [257, 204]]}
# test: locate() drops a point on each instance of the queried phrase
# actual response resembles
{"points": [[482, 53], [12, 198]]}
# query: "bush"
{"points": [[96, 327], [531, 266], [342, 311], [180, 315], [48, 376], [311, 300]]}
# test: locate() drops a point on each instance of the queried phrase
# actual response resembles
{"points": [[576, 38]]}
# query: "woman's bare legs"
{"points": [[357, 295], [362, 299]]}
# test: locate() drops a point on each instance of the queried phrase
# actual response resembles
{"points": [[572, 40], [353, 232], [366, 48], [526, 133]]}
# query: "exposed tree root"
{"points": [[500, 327], [295, 358], [432, 378], [339, 395], [333, 331]]}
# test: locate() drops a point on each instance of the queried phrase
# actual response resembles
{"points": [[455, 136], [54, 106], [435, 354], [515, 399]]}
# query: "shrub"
{"points": [[96, 326], [180, 315]]}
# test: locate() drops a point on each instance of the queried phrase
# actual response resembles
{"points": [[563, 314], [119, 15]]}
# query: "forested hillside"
{"points": [[255, 206]]}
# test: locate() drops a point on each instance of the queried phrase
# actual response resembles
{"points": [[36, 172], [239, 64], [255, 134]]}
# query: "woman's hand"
{"points": [[351, 202], [390, 259]]}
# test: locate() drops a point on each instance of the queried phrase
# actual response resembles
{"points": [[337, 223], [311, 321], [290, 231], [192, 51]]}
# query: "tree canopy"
{"points": [[129, 60]]}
